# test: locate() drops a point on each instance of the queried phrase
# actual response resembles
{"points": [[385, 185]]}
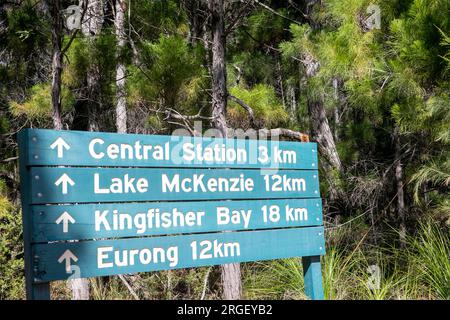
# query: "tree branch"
{"points": [[285, 133], [125, 282], [10, 159], [275, 12], [245, 106], [238, 17], [270, 132]]}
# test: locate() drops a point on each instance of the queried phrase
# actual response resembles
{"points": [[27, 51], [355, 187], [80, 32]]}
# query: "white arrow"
{"points": [[60, 144], [65, 180], [67, 256], [65, 218]]}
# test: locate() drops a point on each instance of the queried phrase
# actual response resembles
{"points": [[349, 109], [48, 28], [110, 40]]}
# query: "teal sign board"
{"points": [[107, 220], [97, 204], [107, 257], [62, 185]]}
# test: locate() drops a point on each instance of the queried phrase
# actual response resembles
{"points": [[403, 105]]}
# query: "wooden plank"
{"points": [[80, 148], [96, 221], [108, 257], [84, 185]]}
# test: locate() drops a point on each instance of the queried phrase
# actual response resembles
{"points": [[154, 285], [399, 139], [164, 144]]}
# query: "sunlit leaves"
{"points": [[267, 108]]}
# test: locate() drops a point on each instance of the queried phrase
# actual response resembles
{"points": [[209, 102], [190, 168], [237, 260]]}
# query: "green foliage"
{"points": [[38, 105], [430, 255], [446, 43], [26, 30], [436, 175], [153, 18], [262, 99], [416, 39], [419, 272], [173, 76], [278, 279], [11, 251], [336, 271], [264, 27], [86, 53], [255, 67], [431, 117]]}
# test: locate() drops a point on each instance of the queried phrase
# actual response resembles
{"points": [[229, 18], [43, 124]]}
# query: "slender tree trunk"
{"points": [[279, 75], [290, 92], [55, 11], [93, 19], [121, 107], [79, 287], [401, 209], [320, 127], [91, 28], [94, 109], [219, 79], [231, 273], [321, 132], [337, 108], [191, 7]]}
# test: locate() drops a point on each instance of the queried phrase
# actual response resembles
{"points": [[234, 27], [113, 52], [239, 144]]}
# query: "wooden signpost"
{"points": [[139, 203]]}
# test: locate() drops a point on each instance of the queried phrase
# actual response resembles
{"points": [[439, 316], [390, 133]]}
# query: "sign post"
{"points": [[141, 203], [34, 290]]}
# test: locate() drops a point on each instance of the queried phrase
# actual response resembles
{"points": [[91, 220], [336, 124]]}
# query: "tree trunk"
{"points": [[279, 76], [400, 188], [219, 79], [337, 83], [55, 12], [91, 27], [93, 18], [93, 104], [292, 102], [320, 128], [121, 107], [321, 132], [231, 273], [80, 289], [191, 8]]}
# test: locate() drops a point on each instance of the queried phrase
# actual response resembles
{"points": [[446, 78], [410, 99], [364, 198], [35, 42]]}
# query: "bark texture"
{"points": [[93, 20], [219, 80], [321, 132], [340, 102], [192, 9], [55, 12], [231, 273], [320, 128], [401, 208], [90, 27], [121, 104], [80, 289]]}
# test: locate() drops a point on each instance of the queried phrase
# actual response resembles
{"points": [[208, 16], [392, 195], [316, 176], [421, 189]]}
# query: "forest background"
{"points": [[367, 80]]}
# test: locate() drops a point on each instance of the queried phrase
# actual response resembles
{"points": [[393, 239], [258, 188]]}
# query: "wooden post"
{"points": [[312, 270], [34, 291], [312, 274]]}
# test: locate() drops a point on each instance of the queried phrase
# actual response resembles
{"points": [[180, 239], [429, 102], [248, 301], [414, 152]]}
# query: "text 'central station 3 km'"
{"points": [[139, 203]]}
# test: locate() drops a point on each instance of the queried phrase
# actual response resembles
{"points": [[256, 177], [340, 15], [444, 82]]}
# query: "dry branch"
{"points": [[245, 106]]}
